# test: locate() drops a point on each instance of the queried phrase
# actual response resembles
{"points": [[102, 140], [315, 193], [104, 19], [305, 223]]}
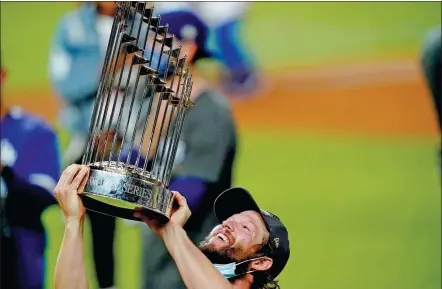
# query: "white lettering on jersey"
{"points": [[44, 181], [8, 153]]}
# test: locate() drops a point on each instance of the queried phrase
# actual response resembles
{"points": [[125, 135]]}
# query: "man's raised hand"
{"points": [[179, 215], [72, 183]]}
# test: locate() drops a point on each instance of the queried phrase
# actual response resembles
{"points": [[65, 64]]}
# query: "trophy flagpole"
{"points": [[98, 102], [123, 38], [130, 49]]}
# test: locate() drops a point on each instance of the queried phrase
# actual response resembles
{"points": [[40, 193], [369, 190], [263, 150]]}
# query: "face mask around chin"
{"points": [[229, 270]]}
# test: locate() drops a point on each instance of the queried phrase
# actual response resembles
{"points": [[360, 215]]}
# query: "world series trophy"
{"points": [[137, 117]]}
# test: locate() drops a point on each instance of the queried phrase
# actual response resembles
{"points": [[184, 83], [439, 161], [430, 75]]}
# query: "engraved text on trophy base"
{"points": [[118, 190], [137, 191], [96, 182]]}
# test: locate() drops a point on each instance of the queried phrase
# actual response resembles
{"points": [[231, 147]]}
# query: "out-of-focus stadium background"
{"points": [[341, 142]]}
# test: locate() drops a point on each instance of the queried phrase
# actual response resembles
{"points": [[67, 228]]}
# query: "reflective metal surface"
{"points": [[141, 104], [126, 191]]}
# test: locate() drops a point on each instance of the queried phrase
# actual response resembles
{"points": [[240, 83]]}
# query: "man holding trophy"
{"points": [[247, 250], [128, 173]]}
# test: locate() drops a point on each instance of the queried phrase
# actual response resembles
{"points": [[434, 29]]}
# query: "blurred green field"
{"points": [[282, 35], [361, 213]]}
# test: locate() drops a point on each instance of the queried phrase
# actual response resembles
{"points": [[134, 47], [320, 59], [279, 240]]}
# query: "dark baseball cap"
{"points": [[186, 25], [236, 200]]}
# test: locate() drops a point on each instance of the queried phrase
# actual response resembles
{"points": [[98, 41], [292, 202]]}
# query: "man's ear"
{"points": [[261, 264]]}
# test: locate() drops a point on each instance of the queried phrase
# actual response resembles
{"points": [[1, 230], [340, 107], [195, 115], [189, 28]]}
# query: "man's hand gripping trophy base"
{"points": [[72, 183]]}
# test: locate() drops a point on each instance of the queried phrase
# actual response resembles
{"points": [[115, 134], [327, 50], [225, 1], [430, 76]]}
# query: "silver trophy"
{"points": [[141, 104]]}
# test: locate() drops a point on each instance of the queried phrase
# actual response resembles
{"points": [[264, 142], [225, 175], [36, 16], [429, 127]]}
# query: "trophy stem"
{"points": [[159, 137], [133, 98], [149, 11], [152, 135], [155, 37], [163, 42], [134, 133], [117, 126], [134, 92], [100, 97], [148, 94], [169, 97], [174, 147], [174, 125], [168, 144], [108, 91], [184, 104], [128, 119]]}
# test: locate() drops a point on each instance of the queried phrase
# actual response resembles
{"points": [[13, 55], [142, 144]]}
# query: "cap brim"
{"points": [[234, 201]]}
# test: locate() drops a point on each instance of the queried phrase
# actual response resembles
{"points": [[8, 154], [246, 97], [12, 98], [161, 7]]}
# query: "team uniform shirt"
{"points": [[30, 147], [206, 150]]}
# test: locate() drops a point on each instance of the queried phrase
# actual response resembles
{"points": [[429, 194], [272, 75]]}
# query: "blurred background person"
{"points": [[76, 59], [30, 166], [225, 41], [8, 257], [205, 156], [431, 58]]}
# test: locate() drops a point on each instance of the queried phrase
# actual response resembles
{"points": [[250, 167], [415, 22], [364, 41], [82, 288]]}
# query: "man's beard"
{"points": [[217, 256]]}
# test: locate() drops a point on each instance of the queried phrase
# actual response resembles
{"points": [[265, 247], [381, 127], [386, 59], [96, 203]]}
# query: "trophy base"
{"points": [[117, 191]]}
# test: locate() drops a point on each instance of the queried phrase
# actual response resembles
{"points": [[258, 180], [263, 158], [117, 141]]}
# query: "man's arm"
{"points": [[194, 267], [70, 270]]}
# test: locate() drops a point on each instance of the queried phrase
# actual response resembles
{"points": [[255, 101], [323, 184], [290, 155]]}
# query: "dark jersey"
{"points": [[206, 150]]}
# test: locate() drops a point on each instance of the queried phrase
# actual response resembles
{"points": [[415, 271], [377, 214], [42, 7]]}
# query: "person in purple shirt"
{"points": [[30, 166]]}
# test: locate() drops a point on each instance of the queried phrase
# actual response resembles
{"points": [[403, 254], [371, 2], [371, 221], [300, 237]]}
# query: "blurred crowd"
{"points": [[31, 158]]}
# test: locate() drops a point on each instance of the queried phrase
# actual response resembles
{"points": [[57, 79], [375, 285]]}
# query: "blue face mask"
{"points": [[228, 270]]}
